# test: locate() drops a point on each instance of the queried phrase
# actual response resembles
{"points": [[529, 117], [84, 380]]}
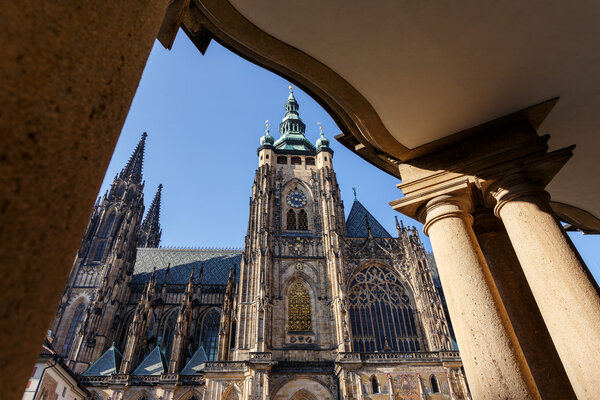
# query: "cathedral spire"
{"points": [[133, 169], [151, 231], [292, 130]]}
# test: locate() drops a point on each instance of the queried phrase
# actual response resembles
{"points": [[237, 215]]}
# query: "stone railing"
{"points": [[260, 357], [225, 366], [140, 379], [392, 356]]}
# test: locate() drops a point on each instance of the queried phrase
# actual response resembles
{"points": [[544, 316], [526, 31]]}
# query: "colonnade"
{"points": [[525, 312]]}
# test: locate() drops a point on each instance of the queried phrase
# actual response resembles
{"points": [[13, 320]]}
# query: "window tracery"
{"points": [[302, 220], [77, 316], [381, 313], [210, 333], [299, 308], [291, 220], [167, 333]]}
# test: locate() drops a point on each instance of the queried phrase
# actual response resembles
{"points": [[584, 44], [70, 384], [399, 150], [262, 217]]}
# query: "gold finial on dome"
{"points": [[291, 88]]}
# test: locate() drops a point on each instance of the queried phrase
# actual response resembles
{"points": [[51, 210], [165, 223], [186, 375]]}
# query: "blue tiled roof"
{"points": [[196, 363], [356, 225], [153, 364], [107, 364], [217, 264]]}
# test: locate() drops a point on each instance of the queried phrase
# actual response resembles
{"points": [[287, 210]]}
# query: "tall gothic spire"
{"points": [[151, 231], [133, 169]]}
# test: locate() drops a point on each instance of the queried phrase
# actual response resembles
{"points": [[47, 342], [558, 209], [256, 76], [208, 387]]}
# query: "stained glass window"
{"points": [[210, 333], [167, 333], [108, 225], [300, 315], [100, 250], [381, 313], [291, 219], [302, 220], [77, 316]]}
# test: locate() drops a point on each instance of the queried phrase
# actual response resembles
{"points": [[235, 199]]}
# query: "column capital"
{"points": [[445, 206], [517, 187]]}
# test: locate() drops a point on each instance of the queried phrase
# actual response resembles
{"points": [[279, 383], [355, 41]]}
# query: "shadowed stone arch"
{"points": [[191, 394], [303, 395], [308, 387]]}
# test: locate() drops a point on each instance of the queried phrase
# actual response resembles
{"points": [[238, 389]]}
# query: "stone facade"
{"points": [[316, 306]]}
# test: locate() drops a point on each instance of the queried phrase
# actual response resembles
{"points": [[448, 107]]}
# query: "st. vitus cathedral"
{"points": [[315, 306]]}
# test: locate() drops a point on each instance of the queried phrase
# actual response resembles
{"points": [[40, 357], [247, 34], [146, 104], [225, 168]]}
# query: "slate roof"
{"points": [[356, 225], [107, 364], [196, 363], [153, 364], [217, 264]]}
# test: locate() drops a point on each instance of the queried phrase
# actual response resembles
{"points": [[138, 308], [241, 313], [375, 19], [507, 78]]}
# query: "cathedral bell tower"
{"points": [[286, 307], [96, 290]]}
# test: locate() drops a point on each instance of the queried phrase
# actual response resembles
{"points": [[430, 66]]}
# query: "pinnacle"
{"points": [[133, 169]]}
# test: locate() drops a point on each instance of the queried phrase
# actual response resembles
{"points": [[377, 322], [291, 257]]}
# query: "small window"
{"points": [[302, 220], [282, 160], [374, 384], [325, 158], [296, 161], [64, 391], [267, 156], [261, 157], [435, 386], [310, 161], [291, 219]]}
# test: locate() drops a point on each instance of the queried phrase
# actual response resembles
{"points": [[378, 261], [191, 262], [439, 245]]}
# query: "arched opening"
{"points": [[167, 333], [381, 313], [291, 220], [75, 321], [374, 384], [299, 308], [302, 220], [435, 386], [210, 333], [108, 225], [99, 254], [232, 335]]}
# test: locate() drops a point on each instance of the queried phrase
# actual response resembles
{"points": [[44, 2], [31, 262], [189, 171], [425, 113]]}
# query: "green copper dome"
{"points": [[292, 130], [267, 139], [322, 142]]}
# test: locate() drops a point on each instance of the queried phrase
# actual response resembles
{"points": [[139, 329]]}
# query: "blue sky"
{"points": [[204, 116]]}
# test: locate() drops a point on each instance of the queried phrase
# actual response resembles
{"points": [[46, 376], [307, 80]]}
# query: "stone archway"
{"points": [[303, 388]]}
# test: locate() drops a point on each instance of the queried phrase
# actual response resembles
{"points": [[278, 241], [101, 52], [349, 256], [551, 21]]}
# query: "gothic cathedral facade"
{"points": [[316, 306]]}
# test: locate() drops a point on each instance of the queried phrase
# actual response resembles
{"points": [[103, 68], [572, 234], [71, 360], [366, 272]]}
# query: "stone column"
{"points": [[526, 320], [494, 363], [70, 71], [566, 294]]}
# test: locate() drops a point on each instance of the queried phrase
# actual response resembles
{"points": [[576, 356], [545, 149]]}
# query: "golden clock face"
{"points": [[296, 199]]}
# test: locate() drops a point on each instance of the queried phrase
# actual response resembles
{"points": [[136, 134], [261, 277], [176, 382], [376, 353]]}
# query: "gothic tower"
{"points": [[96, 290]]}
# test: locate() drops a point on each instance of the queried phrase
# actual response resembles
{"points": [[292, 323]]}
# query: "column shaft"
{"points": [[526, 320], [494, 363], [70, 70], [565, 293]]}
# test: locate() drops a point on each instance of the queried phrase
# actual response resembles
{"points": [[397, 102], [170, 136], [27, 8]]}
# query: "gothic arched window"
{"points": [[291, 219], [299, 308], [374, 384], [210, 333], [435, 386], [302, 220], [166, 334], [77, 316], [99, 250], [108, 225], [381, 313]]}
